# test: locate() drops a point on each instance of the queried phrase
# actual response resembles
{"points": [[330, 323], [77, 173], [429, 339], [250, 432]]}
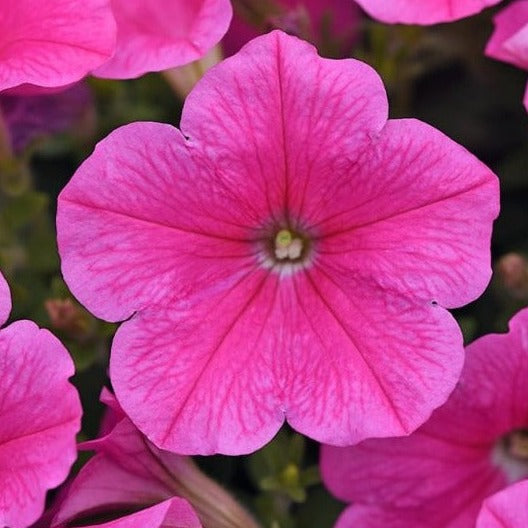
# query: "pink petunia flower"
{"points": [[509, 42], [330, 25], [506, 509], [473, 446], [423, 12], [53, 42], [288, 255], [128, 473], [39, 415], [156, 35]]}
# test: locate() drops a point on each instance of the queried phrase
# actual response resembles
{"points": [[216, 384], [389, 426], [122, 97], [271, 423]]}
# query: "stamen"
{"points": [[287, 247]]}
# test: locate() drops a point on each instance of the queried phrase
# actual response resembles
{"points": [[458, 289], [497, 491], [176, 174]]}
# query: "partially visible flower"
{"points": [[289, 254], [509, 42], [154, 35], [331, 25], [27, 117], [512, 271], [39, 416], [53, 43], [506, 509], [128, 474], [472, 447], [423, 12]]}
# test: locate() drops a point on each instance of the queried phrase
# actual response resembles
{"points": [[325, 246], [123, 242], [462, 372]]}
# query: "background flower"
{"points": [[473, 446], [156, 35], [423, 11], [54, 42], [39, 414], [509, 42]]}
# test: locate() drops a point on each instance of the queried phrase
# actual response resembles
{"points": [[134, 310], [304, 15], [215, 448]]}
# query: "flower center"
{"points": [[516, 444], [511, 454], [288, 246]]}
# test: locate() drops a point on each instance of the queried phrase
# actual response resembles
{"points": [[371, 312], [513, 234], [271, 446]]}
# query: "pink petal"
{"points": [[424, 234], [172, 513], [507, 509], [205, 401], [123, 472], [511, 25], [5, 300], [53, 43], [450, 459], [423, 12], [40, 414], [299, 115], [134, 253], [160, 34]]}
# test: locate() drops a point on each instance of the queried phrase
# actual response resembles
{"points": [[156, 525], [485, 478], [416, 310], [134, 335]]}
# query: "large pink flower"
{"points": [[53, 42], [506, 509], [39, 417], [128, 473], [155, 35], [423, 12], [289, 254], [330, 24], [471, 447], [509, 42]]}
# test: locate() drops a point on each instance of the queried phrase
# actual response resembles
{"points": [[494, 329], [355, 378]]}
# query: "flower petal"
{"points": [[53, 43], [505, 42], [298, 115], [5, 300], [199, 377], [423, 11], [153, 227], [424, 228], [160, 34], [40, 413], [507, 509]]}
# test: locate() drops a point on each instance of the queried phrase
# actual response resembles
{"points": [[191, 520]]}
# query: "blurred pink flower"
{"points": [[423, 12], [473, 446], [288, 255], [128, 473], [39, 415], [331, 25], [53, 42], [155, 35], [506, 509], [509, 42]]}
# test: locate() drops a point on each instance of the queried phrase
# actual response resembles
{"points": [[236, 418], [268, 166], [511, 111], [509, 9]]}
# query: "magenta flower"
{"points": [[506, 509], [473, 446], [39, 415], [287, 255], [128, 473], [423, 12], [156, 35], [509, 42], [53, 42], [329, 24]]}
